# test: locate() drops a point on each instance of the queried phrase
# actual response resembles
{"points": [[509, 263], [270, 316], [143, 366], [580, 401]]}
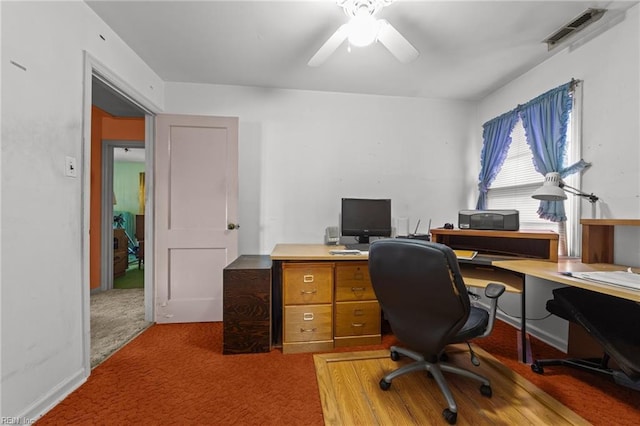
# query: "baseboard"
{"points": [[548, 338], [40, 407]]}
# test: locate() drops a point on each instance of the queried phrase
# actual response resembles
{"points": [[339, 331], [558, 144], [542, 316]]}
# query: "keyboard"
{"points": [[352, 252], [357, 246]]}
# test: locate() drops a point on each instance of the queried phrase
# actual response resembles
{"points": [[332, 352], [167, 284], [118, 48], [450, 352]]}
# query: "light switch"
{"points": [[70, 166]]}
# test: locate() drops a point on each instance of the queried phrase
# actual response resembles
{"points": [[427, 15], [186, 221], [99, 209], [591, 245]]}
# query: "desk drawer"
{"points": [[353, 282], [357, 318], [308, 323], [307, 283]]}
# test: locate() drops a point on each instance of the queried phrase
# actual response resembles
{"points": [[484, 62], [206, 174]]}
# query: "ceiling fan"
{"points": [[363, 29]]}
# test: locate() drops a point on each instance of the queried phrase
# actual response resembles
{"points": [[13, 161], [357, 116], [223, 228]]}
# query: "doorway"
{"points": [[122, 211], [110, 317]]}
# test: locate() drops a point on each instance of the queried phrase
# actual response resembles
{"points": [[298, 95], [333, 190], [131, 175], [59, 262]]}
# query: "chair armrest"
{"points": [[494, 290]]}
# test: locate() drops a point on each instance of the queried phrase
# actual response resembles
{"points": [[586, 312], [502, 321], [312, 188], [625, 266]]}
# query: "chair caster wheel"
{"points": [[384, 385], [537, 368], [395, 356], [450, 416], [485, 390]]}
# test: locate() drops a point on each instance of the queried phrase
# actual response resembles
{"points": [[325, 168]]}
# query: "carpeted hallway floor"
{"points": [[117, 316]]}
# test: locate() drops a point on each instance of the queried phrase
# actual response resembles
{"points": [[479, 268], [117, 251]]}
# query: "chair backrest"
{"points": [[421, 291]]}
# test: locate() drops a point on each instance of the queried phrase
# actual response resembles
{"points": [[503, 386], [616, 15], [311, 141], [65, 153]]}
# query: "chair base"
{"points": [[435, 369], [593, 365]]}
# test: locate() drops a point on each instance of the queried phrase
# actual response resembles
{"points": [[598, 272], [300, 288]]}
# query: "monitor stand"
{"points": [[362, 244]]}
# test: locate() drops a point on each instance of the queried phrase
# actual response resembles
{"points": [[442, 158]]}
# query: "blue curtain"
{"points": [[545, 120], [497, 139]]}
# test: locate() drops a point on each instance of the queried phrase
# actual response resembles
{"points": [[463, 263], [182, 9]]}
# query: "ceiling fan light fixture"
{"points": [[363, 30]]}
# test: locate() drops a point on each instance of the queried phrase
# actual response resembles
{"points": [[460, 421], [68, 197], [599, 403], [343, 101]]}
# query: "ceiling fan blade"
{"points": [[396, 43], [329, 46]]}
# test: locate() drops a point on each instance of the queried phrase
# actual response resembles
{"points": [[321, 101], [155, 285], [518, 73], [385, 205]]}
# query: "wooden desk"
{"points": [[519, 244], [305, 252], [325, 300], [492, 245], [343, 288], [577, 338], [552, 272]]}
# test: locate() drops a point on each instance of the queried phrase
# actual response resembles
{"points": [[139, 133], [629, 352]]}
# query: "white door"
{"points": [[196, 214]]}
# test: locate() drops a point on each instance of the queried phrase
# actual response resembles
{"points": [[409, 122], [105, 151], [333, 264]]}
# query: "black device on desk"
{"points": [[497, 220], [332, 236], [363, 218], [423, 237]]}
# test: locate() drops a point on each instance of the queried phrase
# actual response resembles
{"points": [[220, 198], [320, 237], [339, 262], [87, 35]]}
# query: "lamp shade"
{"points": [[551, 189]]}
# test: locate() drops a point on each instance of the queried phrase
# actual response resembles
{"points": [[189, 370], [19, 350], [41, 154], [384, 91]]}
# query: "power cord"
{"points": [[520, 317], [475, 297]]}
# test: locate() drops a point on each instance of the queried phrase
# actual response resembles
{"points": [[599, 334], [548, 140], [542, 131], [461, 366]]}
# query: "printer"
{"points": [[497, 220]]}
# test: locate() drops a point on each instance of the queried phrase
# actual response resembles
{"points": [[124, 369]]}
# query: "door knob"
{"points": [[232, 226]]}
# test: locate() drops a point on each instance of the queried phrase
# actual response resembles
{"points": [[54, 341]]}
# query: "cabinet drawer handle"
{"points": [[307, 316], [314, 291], [357, 324], [358, 312], [307, 330], [354, 289], [307, 278]]}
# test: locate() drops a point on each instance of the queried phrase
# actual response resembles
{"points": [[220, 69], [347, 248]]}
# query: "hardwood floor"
{"points": [[350, 394]]}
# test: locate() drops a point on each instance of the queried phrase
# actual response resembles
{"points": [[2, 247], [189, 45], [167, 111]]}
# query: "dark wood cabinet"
{"points": [[140, 238], [120, 252], [247, 305]]}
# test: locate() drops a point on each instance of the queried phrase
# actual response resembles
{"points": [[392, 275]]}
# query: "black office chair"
{"points": [[423, 296], [611, 321]]}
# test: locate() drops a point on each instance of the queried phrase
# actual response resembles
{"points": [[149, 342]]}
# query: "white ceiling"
{"points": [[128, 155], [467, 48]]}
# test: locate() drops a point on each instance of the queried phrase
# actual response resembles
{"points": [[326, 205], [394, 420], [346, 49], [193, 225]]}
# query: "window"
{"points": [[518, 178], [515, 183]]}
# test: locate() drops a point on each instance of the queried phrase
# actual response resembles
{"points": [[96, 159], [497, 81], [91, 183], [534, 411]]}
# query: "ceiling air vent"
{"points": [[579, 23]]}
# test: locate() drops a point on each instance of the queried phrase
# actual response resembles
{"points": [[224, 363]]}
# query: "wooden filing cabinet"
{"points": [[307, 307], [327, 305], [357, 312]]}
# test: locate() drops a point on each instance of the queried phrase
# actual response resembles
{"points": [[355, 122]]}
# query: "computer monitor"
{"points": [[363, 218]]}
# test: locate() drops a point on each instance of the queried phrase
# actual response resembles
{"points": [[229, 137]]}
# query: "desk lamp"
{"points": [[554, 189]]}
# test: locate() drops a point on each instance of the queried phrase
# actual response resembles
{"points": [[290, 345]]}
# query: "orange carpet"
{"points": [[594, 397], [176, 374]]}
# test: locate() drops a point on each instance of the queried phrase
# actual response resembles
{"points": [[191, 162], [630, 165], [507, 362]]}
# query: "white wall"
{"points": [[301, 151], [421, 153], [609, 67], [42, 218]]}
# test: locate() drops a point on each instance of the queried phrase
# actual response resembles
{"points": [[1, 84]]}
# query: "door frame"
{"points": [[94, 68]]}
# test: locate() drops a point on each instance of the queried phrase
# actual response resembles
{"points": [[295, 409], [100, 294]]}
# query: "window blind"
{"points": [[516, 181]]}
